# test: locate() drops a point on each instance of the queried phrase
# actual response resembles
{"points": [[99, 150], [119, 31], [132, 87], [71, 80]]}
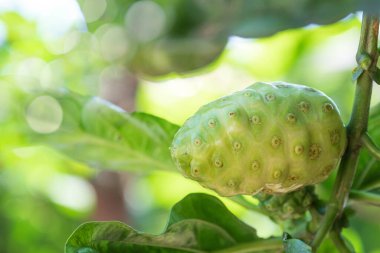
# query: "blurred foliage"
{"points": [[149, 38], [99, 134], [165, 36]]}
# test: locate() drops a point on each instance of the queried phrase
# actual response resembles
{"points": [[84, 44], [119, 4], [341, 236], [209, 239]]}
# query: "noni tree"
{"points": [[272, 141]]}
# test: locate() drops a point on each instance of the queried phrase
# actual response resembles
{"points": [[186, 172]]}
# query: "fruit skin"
{"points": [[270, 137]]}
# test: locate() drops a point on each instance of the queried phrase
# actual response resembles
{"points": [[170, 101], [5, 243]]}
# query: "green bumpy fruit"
{"points": [[269, 137]]}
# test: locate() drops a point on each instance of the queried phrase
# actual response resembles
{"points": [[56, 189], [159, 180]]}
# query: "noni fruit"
{"points": [[270, 137]]}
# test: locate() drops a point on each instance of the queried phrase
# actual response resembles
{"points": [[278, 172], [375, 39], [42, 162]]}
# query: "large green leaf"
{"points": [[180, 36], [198, 223], [104, 136]]}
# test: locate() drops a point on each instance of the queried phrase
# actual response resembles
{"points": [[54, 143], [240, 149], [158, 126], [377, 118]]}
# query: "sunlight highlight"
{"points": [[44, 115]]}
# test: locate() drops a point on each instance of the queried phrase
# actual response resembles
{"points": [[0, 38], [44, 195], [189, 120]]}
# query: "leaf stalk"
{"points": [[372, 148]]}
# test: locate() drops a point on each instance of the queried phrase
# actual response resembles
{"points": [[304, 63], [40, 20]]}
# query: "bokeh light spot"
{"points": [[93, 9], [44, 114], [72, 192], [145, 20], [5, 101], [28, 73], [113, 42], [3, 33], [63, 44]]}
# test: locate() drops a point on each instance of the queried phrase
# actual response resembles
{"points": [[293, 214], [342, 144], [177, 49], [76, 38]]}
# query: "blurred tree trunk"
{"points": [[118, 87]]}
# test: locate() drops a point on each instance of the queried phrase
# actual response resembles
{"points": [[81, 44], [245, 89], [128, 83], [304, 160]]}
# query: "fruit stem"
{"points": [[371, 146], [357, 126], [239, 199]]}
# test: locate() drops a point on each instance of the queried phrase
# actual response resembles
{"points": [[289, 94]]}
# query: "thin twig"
{"points": [[364, 173], [371, 186], [372, 148], [339, 242], [246, 204], [365, 197]]}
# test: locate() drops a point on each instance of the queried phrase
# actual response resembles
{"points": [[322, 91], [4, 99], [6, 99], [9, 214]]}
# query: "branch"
{"points": [[365, 197], [371, 146], [355, 129], [364, 173], [339, 242]]}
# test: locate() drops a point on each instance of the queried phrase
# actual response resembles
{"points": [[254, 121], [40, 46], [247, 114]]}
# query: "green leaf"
{"points": [[295, 245], [186, 236], [194, 33], [177, 55], [356, 73], [104, 136], [210, 209], [189, 230]]}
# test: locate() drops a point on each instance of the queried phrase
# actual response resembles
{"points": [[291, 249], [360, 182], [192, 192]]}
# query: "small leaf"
{"points": [[104, 136], [356, 73], [294, 245], [192, 228]]}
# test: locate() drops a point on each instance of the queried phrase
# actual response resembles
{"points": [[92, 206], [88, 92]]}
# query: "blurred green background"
{"points": [[104, 48]]}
